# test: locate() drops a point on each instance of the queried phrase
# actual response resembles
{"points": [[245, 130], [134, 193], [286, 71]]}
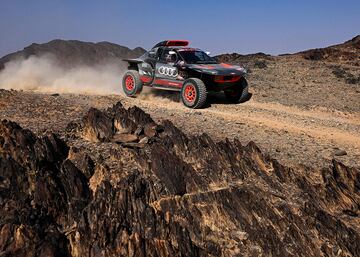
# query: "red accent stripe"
{"points": [[145, 79], [167, 83], [226, 65], [206, 67], [221, 79]]}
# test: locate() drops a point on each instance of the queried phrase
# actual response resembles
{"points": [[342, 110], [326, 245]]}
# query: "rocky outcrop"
{"points": [[348, 51], [235, 57], [250, 61], [169, 195]]}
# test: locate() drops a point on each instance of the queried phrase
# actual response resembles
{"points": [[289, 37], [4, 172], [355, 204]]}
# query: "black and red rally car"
{"points": [[172, 65]]}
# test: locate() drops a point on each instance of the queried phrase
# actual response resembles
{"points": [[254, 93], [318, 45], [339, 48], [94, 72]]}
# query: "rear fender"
{"points": [[146, 72], [133, 63]]}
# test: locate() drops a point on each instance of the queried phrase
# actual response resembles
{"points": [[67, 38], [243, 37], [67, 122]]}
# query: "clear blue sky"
{"points": [[215, 25]]}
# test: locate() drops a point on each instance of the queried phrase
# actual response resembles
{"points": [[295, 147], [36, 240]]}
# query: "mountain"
{"points": [[347, 51], [70, 53], [235, 57]]}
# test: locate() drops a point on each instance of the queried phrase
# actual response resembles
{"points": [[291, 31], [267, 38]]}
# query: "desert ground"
{"points": [[300, 112]]}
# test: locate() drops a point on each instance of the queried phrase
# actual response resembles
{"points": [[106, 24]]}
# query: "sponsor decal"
{"points": [[168, 71]]}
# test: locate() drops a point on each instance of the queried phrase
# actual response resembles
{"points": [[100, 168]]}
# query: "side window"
{"points": [[200, 55], [166, 57], [159, 53]]}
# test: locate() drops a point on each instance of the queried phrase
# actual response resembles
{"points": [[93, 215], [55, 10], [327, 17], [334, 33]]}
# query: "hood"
{"points": [[220, 69]]}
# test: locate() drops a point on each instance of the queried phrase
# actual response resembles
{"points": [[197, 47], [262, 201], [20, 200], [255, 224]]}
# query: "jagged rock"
{"points": [[139, 131], [125, 138], [43, 190], [133, 145], [150, 130], [144, 140], [82, 161], [176, 195], [97, 126], [122, 121]]}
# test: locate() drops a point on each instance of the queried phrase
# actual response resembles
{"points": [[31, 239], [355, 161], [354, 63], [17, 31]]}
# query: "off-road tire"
{"points": [[193, 93], [132, 88], [238, 93]]}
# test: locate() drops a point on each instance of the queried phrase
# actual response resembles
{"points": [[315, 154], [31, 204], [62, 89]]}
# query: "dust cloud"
{"points": [[43, 74]]}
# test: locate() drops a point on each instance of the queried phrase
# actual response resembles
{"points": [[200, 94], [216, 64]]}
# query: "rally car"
{"points": [[173, 65]]}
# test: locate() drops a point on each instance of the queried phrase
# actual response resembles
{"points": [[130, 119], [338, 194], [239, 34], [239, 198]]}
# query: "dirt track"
{"points": [[293, 135]]}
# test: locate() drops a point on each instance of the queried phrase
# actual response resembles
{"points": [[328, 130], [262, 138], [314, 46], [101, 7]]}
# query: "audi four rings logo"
{"points": [[172, 72]]}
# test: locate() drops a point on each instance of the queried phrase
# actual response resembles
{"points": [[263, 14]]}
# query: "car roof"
{"points": [[187, 49]]}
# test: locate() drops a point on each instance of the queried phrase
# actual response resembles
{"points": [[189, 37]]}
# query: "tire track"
{"points": [[289, 133]]}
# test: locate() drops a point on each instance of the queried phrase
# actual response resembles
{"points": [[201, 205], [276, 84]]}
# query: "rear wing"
{"points": [[137, 60], [172, 43]]}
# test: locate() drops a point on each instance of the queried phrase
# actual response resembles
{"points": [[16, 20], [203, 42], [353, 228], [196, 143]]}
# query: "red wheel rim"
{"points": [[129, 83], [189, 93]]}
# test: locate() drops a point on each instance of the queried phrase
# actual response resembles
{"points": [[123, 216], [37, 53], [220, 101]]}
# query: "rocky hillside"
{"points": [[258, 60], [346, 52], [71, 53], [119, 184]]}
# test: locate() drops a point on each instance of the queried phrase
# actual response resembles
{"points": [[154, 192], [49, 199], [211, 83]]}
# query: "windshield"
{"points": [[196, 57]]}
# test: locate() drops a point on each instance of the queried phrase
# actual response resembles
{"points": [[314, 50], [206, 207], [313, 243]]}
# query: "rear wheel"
{"points": [[132, 84], [238, 93], [193, 93]]}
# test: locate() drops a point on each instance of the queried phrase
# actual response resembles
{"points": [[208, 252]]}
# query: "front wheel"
{"points": [[193, 93], [132, 84], [238, 93]]}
